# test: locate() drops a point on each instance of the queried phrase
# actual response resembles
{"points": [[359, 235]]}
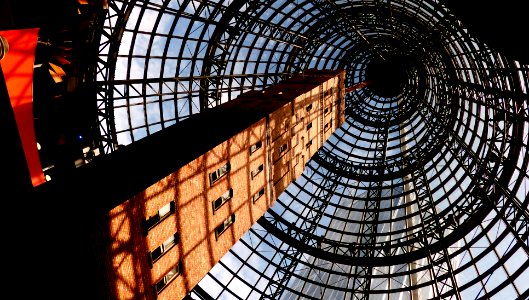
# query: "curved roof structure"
{"points": [[421, 194]]}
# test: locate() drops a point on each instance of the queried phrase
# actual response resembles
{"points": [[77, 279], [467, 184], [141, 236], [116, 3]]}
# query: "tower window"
{"points": [[308, 144], [163, 248], [326, 127], [169, 276], [163, 213], [215, 176], [327, 109], [309, 126], [257, 171], [255, 147], [225, 225], [258, 195], [222, 199], [309, 107], [283, 148]]}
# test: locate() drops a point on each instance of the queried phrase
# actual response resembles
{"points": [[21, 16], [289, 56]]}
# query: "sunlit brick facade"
{"points": [[172, 233]]}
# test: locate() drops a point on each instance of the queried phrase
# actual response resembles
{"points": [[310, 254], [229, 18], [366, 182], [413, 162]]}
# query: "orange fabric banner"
{"points": [[17, 66]]}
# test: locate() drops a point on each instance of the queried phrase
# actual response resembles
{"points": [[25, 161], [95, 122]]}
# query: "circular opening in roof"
{"points": [[388, 77]]}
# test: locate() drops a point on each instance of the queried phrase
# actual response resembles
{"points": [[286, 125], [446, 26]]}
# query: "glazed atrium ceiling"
{"points": [[422, 193]]}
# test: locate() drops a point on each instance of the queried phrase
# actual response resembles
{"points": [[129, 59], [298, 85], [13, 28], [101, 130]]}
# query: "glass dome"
{"points": [[422, 193]]}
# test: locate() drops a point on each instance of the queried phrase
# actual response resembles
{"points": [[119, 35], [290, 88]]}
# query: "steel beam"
{"points": [[305, 235]]}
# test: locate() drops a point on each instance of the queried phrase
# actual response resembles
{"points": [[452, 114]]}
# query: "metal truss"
{"points": [[240, 18], [414, 194], [305, 234]]}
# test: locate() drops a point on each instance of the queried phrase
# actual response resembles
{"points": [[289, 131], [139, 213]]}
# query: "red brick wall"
{"points": [[194, 219], [189, 187]]}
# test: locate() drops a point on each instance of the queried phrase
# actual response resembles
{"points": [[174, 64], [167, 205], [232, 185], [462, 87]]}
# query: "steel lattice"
{"points": [[421, 194]]}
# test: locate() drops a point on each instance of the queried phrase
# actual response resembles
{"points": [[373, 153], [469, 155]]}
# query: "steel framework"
{"points": [[421, 194]]}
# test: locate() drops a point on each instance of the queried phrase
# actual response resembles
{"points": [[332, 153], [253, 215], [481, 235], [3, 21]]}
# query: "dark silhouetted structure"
{"points": [[421, 193]]}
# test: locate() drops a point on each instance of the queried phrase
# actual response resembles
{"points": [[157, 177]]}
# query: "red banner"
{"points": [[17, 66]]}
